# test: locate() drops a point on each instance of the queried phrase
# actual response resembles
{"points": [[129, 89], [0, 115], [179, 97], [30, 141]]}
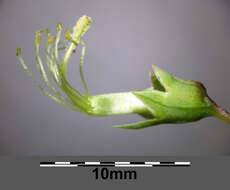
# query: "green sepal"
{"points": [[164, 77], [141, 125], [156, 83]]}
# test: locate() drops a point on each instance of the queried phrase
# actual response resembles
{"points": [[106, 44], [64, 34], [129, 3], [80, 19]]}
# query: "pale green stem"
{"points": [[57, 42], [225, 116], [80, 68], [50, 63], [67, 57], [54, 66], [220, 112]]}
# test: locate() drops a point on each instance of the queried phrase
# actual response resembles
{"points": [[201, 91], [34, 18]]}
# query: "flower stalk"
{"points": [[169, 100]]}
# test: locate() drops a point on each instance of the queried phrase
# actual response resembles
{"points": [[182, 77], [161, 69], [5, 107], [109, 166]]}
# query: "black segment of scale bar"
{"points": [[137, 163], [167, 162], [47, 163], [74, 163], [107, 162]]}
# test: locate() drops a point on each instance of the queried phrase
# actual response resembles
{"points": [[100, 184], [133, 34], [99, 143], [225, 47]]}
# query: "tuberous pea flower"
{"points": [[170, 100]]}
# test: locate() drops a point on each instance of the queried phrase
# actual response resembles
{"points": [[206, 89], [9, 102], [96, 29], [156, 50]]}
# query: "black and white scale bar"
{"points": [[115, 164]]}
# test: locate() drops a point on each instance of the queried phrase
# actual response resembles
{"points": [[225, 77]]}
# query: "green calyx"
{"points": [[169, 100]]}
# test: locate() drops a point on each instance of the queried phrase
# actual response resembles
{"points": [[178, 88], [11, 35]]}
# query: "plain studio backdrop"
{"points": [[190, 39]]}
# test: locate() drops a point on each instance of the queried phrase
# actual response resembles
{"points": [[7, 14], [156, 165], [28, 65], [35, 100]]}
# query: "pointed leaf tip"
{"points": [[164, 77]]}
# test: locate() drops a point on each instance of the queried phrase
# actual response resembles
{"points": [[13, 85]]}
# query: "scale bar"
{"points": [[115, 164]]}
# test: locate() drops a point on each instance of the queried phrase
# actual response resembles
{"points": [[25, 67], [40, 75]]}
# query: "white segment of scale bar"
{"points": [[59, 165], [92, 163], [153, 163], [62, 163], [182, 163], [118, 163], [132, 165]]}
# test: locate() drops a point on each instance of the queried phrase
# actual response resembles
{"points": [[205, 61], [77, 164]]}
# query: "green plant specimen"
{"points": [[169, 100]]}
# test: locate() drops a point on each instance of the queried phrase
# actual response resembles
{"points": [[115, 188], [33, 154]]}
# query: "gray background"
{"points": [[189, 39]]}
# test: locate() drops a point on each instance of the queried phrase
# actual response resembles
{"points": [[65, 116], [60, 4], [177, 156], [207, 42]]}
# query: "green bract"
{"points": [[169, 100]]}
